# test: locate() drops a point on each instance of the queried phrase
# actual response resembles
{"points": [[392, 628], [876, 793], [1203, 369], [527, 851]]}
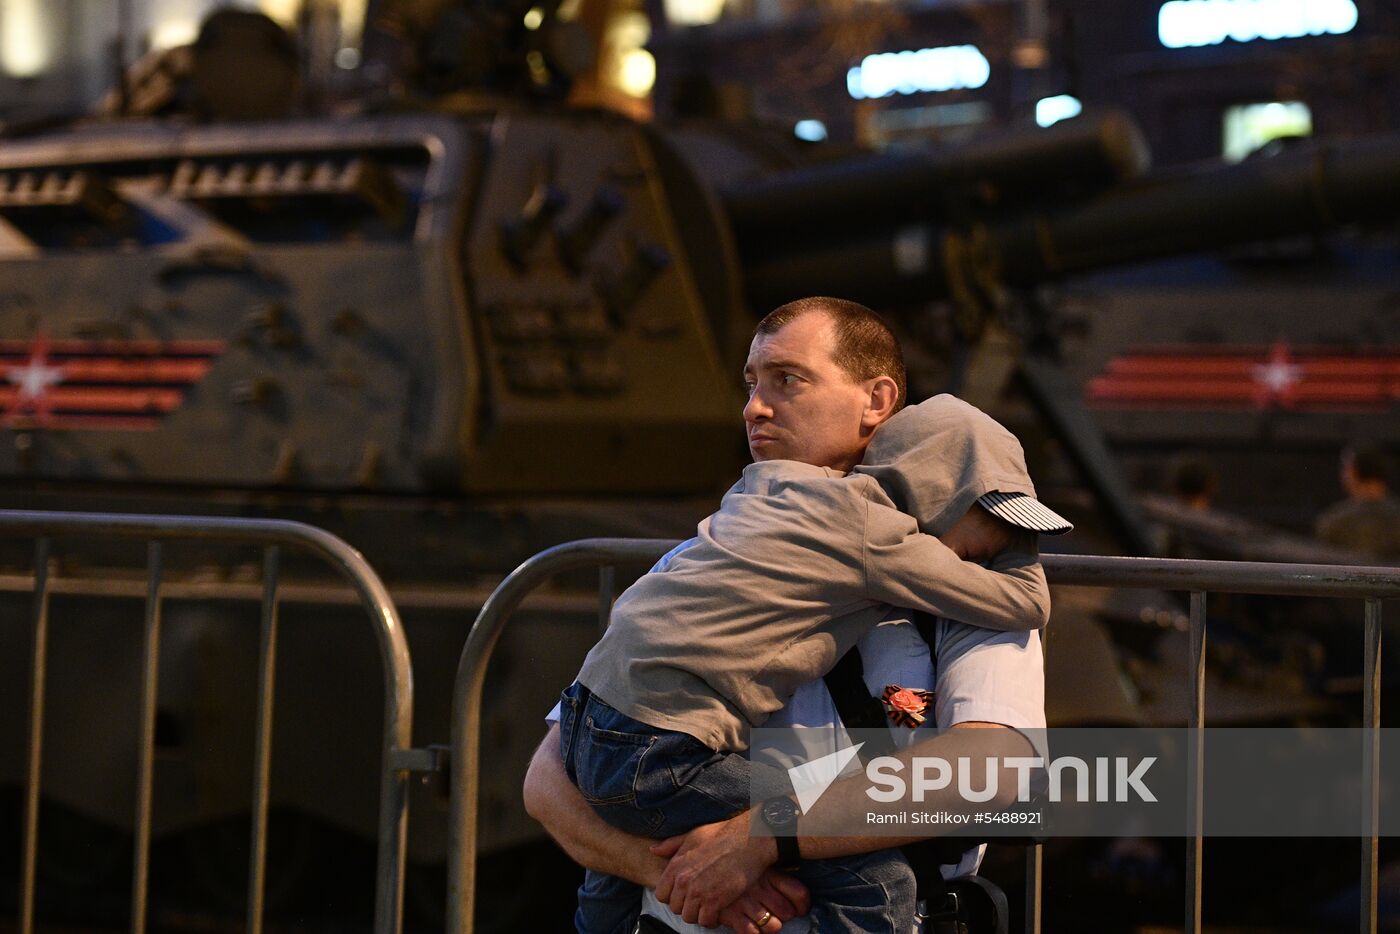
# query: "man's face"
{"points": [[802, 405]]}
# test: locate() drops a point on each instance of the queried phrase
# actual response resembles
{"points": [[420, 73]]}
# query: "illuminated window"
{"points": [[167, 34], [637, 72], [693, 12], [171, 23], [25, 34], [350, 17], [1189, 23], [352, 32], [631, 68], [1051, 110], [942, 69], [1249, 126], [284, 11]]}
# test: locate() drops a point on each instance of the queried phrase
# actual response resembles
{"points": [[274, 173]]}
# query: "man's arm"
{"points": [[977, 741], [552, 799], [906, 568]]}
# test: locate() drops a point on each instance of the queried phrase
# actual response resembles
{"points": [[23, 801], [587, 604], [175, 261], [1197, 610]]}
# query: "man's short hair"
{"points": [[1367, 463], [865, 345]]}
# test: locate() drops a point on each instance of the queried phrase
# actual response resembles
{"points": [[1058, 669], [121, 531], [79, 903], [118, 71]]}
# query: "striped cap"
{"points": [[1025, 512]]}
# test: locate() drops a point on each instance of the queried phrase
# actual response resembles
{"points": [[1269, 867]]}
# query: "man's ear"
{"points": [[881, 397]]}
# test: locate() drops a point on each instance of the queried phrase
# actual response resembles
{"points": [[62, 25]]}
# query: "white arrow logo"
{"points": [[811, 779]]}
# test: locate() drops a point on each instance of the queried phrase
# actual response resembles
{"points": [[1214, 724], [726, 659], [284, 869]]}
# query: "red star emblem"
{"points": [[1276, 380], [33, 380]]}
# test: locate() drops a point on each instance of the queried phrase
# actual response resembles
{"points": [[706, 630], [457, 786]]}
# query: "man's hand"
{"points": [[780, 895], [711, 866], [979, 535]]}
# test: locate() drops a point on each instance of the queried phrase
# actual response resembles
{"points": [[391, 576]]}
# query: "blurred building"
{"points": [[60, 57], [1206, 78]]}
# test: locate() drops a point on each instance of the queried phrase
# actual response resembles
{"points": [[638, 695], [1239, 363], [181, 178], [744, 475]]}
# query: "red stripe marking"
{"points": [[60, 398], [183, 348], [1173, 366], [123, 371], [1262, 351], [1231, 376], [1354, 369], [1179, 390], [1345, 392], [1325, 394], [1368, 368], [1192, 388], [1157, 405]]}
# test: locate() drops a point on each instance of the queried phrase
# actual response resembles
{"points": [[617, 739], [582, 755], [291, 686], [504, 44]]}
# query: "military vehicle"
{"points": [[457, 333]]}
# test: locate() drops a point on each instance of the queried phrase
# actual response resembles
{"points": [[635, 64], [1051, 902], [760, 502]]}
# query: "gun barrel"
{"points": [[1290, 194], [902, 187]]}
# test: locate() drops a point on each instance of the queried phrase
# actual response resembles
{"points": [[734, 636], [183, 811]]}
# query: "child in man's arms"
{"points": [[797, 563]]}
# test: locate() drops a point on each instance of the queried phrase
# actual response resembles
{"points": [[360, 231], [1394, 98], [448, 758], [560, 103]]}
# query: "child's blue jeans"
{"points": [[659, 783]]}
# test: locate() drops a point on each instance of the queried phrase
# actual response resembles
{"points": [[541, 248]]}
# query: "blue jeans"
{"points": [[659, 783]]}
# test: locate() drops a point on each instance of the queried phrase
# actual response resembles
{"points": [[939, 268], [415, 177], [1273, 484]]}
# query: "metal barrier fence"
{"points": [[272, 536], [1195, 577]]}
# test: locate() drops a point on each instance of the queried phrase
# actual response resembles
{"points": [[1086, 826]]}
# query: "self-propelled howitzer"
{"points": [[455, 339]]}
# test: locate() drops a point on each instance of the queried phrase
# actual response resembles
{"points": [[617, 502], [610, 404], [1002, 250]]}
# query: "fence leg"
{"points": [[1195, 758], [37, 668], [1035, 857], [267, 674], [149, 675], [1371, 769]]}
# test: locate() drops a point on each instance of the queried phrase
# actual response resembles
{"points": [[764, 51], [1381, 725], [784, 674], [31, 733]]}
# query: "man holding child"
{"points": [[824, 375]]}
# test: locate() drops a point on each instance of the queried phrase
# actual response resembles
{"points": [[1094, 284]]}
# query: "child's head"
{"points": [[940, 457], [980, 535]]}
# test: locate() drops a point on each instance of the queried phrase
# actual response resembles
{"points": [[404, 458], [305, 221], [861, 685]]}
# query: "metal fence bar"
{"points": [[467, 691], [1256, 577], [372, 595], [1371, 770], [150, 670], [262, 765], [1195, 576], [1195, 788], [38, 666]]}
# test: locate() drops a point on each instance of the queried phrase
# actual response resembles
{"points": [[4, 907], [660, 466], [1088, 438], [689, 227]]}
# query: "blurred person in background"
{"points": [[1193, 482], [1368, 520]]}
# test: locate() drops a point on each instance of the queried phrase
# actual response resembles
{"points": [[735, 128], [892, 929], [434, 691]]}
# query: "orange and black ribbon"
{"points": [[906, 706]]}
